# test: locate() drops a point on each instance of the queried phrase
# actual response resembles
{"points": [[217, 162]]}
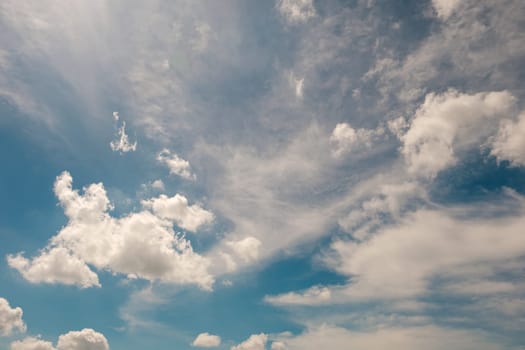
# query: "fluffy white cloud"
{"points": [[55, 265], [296, 11], [122, 143], [254, 342], [509, 143], [86, 339], [407, 338], [345, 138], [10, 318], [177, 209], [206, 340], [32, 343], [139, 245], [177, 165], [448, 122], [445, 8]]}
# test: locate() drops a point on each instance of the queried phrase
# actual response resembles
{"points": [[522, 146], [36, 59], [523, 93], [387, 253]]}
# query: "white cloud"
{"points": [[158, 184], [509, 143], [116, 116], [406, 338], [246, 248], [297, 85], [254, 342], [177, 209], [296, 11], [139, 245], [31, 343], [312, 296], [122, 144], [448, 122], [206, 340], [345, 138], [55, 265], [86, 339], [177, 165], [399, 261], [10, 319], [445, 8], [278, 345]]}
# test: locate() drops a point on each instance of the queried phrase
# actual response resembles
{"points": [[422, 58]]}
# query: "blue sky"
{"points": [[262, 175]]}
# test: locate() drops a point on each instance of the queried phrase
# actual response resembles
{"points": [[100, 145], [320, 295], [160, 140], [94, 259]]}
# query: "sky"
{"points": [[262, 175]]}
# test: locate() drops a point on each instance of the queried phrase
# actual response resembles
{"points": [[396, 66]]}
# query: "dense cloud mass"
{"points": [[350, 172]]}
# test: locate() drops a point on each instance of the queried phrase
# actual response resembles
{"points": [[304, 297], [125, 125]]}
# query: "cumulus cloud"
{"points": [[139, 245], [10, 319], [206, 340], [296, 11], [177, 209], [122, 144], [254, 342], [345, 138], [31, 343], [509, 143], [450, 122], [86, 339], [176, 165]]}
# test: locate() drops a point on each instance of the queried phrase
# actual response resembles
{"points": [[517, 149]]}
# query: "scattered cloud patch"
{"points": [[86, 339], [176, 165], [254, 342], [509, 143], [10, 319], [247, 249], [296, 11], [313, 296], [345, 138], [445, 8], [122, 144], [206, 340]]}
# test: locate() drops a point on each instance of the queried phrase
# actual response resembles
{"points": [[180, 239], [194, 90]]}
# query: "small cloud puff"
{"points": [[206, 340]]}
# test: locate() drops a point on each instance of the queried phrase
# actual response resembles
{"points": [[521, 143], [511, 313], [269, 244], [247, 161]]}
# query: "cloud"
{"points": [[139, 245], [206, 340], [407, 338], [177, 165], [31, 343], [246, 248], [345, 138], [254, 342], [86, 339], [399, 261], [297, 84], [277, 345], [445, 8], [177, 209], [450, 122], [313, 296], [10, 319], [509, 143], [122, 144], [296, 11]]}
